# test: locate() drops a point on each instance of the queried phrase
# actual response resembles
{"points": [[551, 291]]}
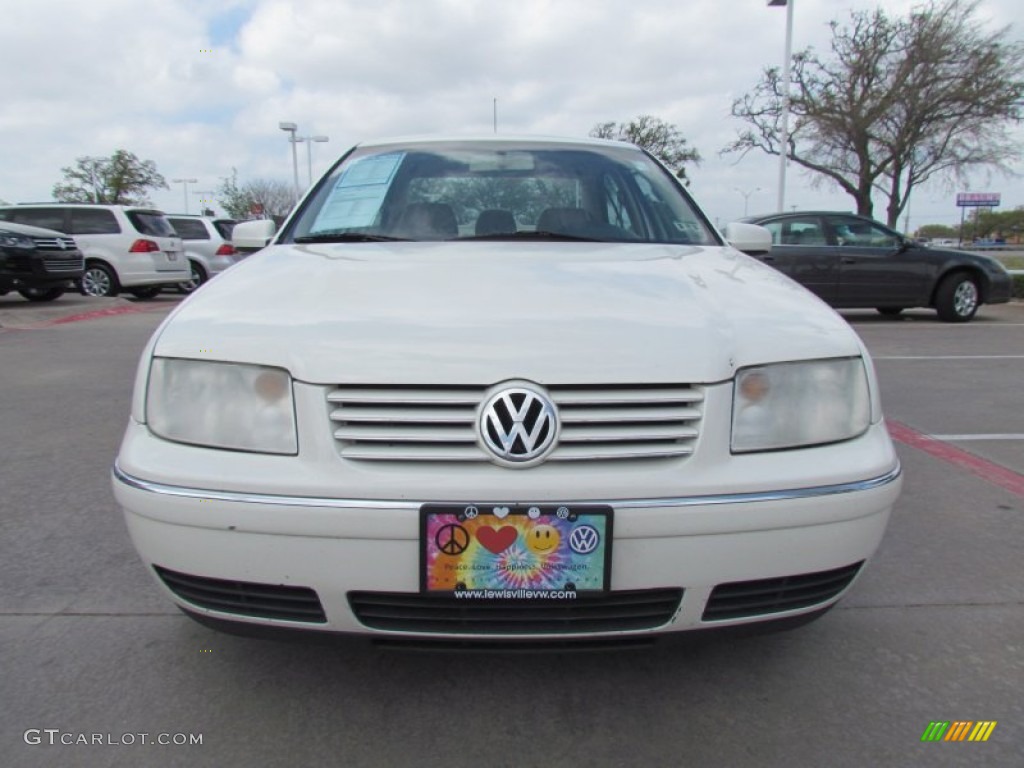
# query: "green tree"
{"points": [[937, 231], [663, 140], [121, 179], [999, 224], [898, 101]]}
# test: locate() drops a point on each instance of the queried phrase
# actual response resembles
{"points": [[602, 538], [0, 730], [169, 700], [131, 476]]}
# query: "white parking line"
{"points": [[955, 438]]}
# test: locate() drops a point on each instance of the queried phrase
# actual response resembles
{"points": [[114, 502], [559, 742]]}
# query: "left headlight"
{"points": [[222, 405], [789, 405], [10, 240]]}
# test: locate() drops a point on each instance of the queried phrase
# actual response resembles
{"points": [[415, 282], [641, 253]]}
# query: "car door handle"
{"points": [[848, 260], [768, 257]]}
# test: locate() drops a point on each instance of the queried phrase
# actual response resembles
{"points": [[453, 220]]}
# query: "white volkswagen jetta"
{"points": [[504, 389]]}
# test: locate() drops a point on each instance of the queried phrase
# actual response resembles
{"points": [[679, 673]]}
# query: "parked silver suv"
{"points": [[125, 247], [207, 243]]}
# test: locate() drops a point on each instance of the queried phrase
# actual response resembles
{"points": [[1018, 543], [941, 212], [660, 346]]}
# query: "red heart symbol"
{"points": [[497, 540]]}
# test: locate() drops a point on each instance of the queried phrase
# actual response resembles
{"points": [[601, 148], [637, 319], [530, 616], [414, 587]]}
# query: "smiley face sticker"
{"points": [[542, 539]]}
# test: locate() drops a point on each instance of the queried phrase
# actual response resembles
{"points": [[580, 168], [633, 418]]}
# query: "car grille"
{"points": [[393, 423], [54, 243], [64, 265], [263, 601], [742, 599], [612, 612]]}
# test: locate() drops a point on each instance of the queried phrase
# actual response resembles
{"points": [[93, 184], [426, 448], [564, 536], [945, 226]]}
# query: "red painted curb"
{"points": [[96, 313], [983, 468]]}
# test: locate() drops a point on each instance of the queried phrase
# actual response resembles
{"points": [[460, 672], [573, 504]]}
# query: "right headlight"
{"points": [[222, 405], [789, 405]]}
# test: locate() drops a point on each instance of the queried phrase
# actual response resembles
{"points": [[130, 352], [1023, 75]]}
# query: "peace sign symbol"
{"points": [[452, 539]]}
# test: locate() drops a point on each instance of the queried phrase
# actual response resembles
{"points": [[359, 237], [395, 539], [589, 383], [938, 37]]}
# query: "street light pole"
{"points": [[309, 151], [786, 74], [746, 197], [205, 202], [185, 182], [291, 128]]}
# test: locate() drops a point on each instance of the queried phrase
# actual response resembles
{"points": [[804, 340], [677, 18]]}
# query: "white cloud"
{"points": [[150, 79]]}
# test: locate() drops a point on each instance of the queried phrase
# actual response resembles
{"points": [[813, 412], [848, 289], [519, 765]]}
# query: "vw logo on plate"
{"points": [[518, 424], [584, 539]]}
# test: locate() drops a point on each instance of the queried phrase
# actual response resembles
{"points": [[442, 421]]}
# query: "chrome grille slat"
{"points": [[373, 414], [616, 432], [582, 414], [617, 395], [406, 433], [599, 423], [408, 396], [424, 452]]}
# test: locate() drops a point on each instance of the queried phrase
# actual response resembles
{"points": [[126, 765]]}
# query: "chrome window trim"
{"points": [[682, 501]]}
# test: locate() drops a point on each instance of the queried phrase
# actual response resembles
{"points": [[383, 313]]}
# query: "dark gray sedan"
{"points": [[851, 261]]}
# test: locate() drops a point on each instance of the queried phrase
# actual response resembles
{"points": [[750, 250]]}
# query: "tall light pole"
{"points": [[206, 202], [309, 151], [186, 182], [746, 196], [786, 73], [291, 128]]}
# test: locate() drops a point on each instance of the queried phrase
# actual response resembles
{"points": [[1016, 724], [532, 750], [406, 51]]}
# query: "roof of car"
{"points": [[56, 204], [491, 138]]}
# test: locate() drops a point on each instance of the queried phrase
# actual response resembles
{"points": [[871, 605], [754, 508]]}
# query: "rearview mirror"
{"points": [[253, 235], [752, 239]]}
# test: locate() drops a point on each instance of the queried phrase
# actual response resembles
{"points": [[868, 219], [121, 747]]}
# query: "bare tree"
{"points": [[663, 140], [898, 102], [270, 197], [121, 179]]}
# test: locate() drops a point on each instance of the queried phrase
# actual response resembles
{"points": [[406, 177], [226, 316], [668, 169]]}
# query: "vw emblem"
{"points": [[584, 539], [518, 424]]}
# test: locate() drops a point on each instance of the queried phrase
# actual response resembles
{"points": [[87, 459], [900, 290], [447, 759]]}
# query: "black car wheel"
{"points": [[890, 311], [198, 278], [148, 292], [99, 280], [957, 298], [41, 294]]}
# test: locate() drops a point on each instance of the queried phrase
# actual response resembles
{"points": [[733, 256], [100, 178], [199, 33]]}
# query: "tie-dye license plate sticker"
{"points": [[515, 551]]}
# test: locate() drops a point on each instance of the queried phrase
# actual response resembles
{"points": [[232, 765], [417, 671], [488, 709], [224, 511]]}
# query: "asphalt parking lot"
{"points": [[934, 631]]}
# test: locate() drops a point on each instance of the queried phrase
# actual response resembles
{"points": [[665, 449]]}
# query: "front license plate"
{"points": [[515, 551]]}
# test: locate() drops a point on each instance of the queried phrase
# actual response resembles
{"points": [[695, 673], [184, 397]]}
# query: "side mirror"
{"points": [[752, 239], [251, 236]]}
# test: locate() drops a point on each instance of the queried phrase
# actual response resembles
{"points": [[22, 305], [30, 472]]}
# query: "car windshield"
{"points": [[500, 190]]}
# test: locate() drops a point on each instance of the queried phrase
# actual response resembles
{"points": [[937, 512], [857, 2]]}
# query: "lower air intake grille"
{"points": [[262, 601], [613, 612], [63, 265], [742, 599]]}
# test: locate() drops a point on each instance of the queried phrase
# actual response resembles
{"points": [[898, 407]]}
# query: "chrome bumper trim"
{"points": [[682, 501]]}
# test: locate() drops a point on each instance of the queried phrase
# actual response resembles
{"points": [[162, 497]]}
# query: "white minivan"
{"points": [[125, 247]]}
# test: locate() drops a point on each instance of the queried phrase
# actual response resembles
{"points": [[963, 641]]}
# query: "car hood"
{"points": [[485, 312], [29, 231]]}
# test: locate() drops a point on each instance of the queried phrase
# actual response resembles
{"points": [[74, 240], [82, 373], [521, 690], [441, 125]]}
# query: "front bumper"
{"points": [[343, 550]]}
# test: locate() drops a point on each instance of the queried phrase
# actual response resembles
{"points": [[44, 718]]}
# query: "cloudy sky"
{"points": [[200, 87]]}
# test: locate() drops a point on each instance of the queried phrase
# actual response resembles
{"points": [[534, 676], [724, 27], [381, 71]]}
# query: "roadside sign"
{"points": [[977, 199]]}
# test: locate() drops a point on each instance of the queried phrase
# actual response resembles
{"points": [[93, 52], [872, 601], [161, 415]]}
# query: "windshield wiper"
{"points": [[534, 235], [346, 237]]}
